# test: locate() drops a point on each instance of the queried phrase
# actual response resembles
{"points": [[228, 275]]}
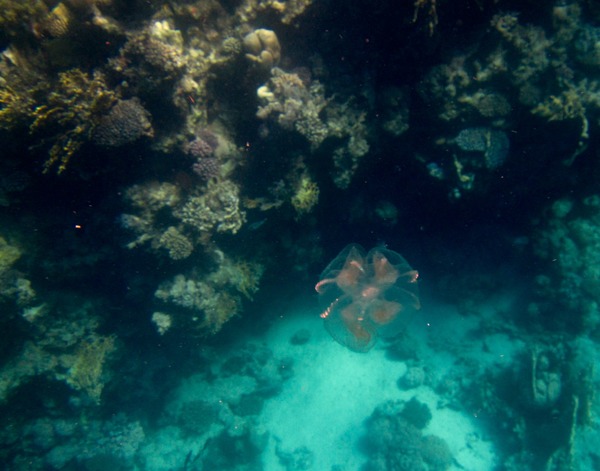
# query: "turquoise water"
{"points": [[299, 235]]}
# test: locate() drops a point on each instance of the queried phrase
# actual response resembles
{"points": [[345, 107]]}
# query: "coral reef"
{"points": [[13, 284], [294, 105], [16, 15], [396, 442], [177, 245], [150, 200], [126, 122], [218, 207], [91, 444], [20, 84], [65, 347], [76, 104], [218, 410], [306, 196], [569, 245], [244, 138], [87, 369], [205, 302], [263, 48], [297, 105], [288, 11], [525, 68]]}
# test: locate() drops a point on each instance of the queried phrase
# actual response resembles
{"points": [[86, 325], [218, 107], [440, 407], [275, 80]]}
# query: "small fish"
{"points": [[256, 225]]}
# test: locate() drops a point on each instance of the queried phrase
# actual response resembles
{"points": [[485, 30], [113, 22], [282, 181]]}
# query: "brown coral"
{"points": [[217, 208], [86, 372], [262, 47], [177, 245], [125, 123]]}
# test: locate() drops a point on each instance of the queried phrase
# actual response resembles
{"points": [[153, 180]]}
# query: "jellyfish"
{"points": [[367, 296]]}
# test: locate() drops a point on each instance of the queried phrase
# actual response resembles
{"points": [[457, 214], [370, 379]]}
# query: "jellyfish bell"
{"points": [[385, 273], [352, 271], [347, 325], [370, 292], [383, 312], [366, 296]]}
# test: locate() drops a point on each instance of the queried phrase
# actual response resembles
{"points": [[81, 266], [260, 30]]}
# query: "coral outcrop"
{"points": [[217, 208], [568, 244], [125, 123], [395, 440], [64, 348], [263, 48], [206, 301]]}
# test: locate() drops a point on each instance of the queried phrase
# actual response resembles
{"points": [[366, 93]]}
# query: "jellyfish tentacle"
{"points": [[320, 284]]}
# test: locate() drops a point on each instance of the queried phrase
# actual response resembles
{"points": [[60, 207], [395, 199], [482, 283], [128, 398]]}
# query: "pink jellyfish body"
{"points": [[366, 296]]}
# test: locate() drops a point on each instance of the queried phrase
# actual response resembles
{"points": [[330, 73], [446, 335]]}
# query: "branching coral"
{"points": [[15, 16], [429, 7], [172, 223], [243, 276], [13, 285], [288, 10], [530, 42], [20, 86], [575, 101], [75, 104], [346, 122], [9, 254]]}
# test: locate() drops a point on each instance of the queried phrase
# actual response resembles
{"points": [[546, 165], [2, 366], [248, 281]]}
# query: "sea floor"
{"points": [[323, 407], [321, 410]]}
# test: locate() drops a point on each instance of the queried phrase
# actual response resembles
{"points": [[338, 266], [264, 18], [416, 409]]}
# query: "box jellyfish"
{"points": [[367, 296]]}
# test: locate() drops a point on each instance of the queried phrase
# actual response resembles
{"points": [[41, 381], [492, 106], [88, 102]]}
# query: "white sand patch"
{"points": [[333, 390]]}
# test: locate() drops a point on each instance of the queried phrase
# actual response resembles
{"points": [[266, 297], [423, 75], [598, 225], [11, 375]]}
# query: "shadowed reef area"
{"points": [[177, 176]]}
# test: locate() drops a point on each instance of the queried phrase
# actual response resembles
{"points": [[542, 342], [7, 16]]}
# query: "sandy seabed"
{"points": [[323, 407]]}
